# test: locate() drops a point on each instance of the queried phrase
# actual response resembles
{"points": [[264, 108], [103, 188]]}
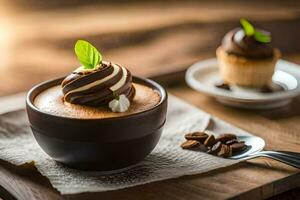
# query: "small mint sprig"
{"points": [[116, 96], [87, 54], [251, 31]]}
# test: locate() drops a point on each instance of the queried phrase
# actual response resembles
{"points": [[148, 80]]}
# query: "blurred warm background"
{"points": [[149, 37], [153, 38]]}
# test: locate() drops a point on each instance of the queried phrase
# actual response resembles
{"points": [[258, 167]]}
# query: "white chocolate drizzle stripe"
{"points": [[90, 85], [121, 82]]}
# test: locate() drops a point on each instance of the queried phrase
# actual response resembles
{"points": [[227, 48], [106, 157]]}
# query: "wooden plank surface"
{"points": [[257, 179], [160, 40], [150, 39]]}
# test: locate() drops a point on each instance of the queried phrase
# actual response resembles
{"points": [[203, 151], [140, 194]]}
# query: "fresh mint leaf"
{"points": [[248, 28], [262, 37], [116, 95], [251, 31], [87, 54]]}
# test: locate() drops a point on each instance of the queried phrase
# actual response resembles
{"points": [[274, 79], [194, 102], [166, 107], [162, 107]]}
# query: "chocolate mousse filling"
{"points": [[237, 43]]}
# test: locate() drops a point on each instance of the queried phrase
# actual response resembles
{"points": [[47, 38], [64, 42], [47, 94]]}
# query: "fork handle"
{"points": [[290, 154], [292, 160]]}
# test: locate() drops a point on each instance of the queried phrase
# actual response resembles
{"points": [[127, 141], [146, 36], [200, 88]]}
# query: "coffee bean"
{"points": [[225, 151], [215, 149], [266, 89], [224, 86], [230, 142], [223, 146], [189, 144], [240, 146], [200, 147], [199, 136], [226, 137], [210, 141]]}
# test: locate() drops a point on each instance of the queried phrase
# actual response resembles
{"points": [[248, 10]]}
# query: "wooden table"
{"points": [[157, 40]]}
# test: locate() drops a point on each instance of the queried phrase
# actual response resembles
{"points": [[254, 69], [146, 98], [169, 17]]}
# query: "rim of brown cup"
{"points": [[37, 89]]}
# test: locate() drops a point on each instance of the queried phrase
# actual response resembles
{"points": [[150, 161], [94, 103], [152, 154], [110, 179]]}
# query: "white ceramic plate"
{"points": [[203, 76]]}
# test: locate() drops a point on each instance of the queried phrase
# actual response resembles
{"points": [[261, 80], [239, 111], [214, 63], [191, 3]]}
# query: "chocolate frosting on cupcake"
{"points": [[99, 86], [237, 43]]}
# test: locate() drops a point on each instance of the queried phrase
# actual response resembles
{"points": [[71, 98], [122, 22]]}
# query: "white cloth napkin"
{"points": [[167, 160]]}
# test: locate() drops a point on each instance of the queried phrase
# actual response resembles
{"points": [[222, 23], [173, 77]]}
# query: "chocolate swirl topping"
{"points": [[237, 43], [98, 87]]}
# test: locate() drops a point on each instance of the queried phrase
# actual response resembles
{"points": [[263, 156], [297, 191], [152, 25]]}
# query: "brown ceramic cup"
{"points": [[98, 144]]}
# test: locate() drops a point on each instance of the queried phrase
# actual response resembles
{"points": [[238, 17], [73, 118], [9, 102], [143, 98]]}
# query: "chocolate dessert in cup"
{"points": [[246, 57], [99, 117]]}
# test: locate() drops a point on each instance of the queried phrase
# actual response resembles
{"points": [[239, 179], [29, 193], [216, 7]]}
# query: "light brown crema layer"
{"points": [[51, 101]]}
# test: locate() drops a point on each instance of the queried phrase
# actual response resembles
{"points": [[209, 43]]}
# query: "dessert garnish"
{"points": [[250, 31], [266, 89], [248, 42], [196, 136], [98, 83], [223, 146], [119, 104], [223, 86]]}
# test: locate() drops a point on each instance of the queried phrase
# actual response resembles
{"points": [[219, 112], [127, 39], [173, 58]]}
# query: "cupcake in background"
{"points": [[246, 56]]}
